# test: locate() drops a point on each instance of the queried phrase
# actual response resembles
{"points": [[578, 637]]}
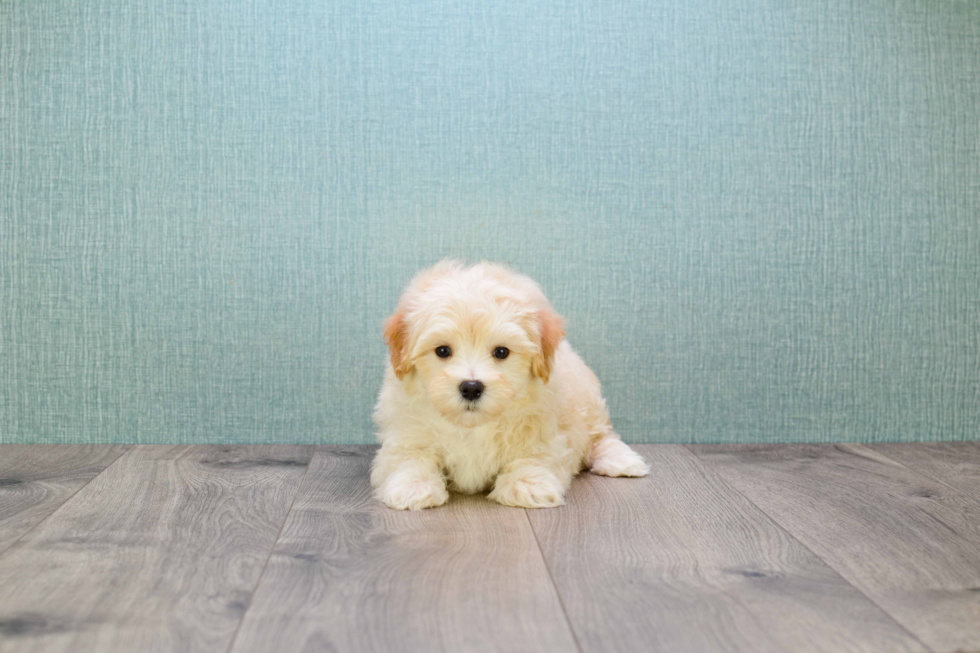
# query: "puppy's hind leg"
{"points": [[610, 456], [607, 454]]}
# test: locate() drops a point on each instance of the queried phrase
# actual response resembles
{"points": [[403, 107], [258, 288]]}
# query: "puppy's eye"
{"points": [[501, 353], [443, 351]]}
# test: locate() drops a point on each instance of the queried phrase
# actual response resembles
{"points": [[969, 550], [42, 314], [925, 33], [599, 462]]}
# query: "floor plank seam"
{"points": [[919, 472], [272, 550], [789, 533], [554, 585], [122, 453]]}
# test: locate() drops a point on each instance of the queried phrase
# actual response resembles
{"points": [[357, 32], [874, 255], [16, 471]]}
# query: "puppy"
{"points": [[483, 393]]}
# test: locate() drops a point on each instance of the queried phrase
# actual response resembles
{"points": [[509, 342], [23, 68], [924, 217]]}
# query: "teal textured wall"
{"points": [[761, 219]]}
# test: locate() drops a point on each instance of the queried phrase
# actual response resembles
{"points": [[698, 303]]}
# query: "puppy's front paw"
{"points": [[529, 489], [403, 493], [615, 458]]}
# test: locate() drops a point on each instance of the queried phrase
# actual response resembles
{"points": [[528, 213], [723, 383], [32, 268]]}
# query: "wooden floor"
{"points": [[282, 548]]}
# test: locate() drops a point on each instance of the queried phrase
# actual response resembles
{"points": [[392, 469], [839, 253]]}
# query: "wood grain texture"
{"points": [[909, 543], [349, 574], [159, 553], [36, 479], [956, 464], [678, 561]]}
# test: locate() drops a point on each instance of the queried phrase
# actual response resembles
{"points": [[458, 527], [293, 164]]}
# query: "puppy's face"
{"points": [[471, 341]]}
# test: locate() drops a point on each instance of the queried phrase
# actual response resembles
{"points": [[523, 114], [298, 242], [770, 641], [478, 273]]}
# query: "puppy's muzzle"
{"points": [[471, 390]]}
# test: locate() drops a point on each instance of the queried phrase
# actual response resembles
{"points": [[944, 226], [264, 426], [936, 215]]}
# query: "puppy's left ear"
{"points": [[551, 333], [396, 335]]}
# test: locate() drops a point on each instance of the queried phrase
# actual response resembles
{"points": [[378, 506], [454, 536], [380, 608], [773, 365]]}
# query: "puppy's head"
{"points": [[472, 340]]}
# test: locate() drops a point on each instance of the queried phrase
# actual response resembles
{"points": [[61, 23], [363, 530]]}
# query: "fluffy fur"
{"points": [[540, 420]]}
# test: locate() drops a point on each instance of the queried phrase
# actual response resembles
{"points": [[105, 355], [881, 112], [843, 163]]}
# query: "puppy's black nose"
{"points": [[471, 390]]}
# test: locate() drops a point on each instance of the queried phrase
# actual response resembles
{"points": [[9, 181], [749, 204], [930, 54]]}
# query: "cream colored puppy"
{"points": [[483, 393]]}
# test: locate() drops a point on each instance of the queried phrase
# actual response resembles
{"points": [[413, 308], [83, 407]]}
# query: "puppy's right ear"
{"points": [[396, 335]]}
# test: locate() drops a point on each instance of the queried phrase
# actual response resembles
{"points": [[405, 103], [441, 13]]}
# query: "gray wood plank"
{"points": [[909, 543], [956, 464], [35, 479], [678, 561], [159, 553], [349, 574]]}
